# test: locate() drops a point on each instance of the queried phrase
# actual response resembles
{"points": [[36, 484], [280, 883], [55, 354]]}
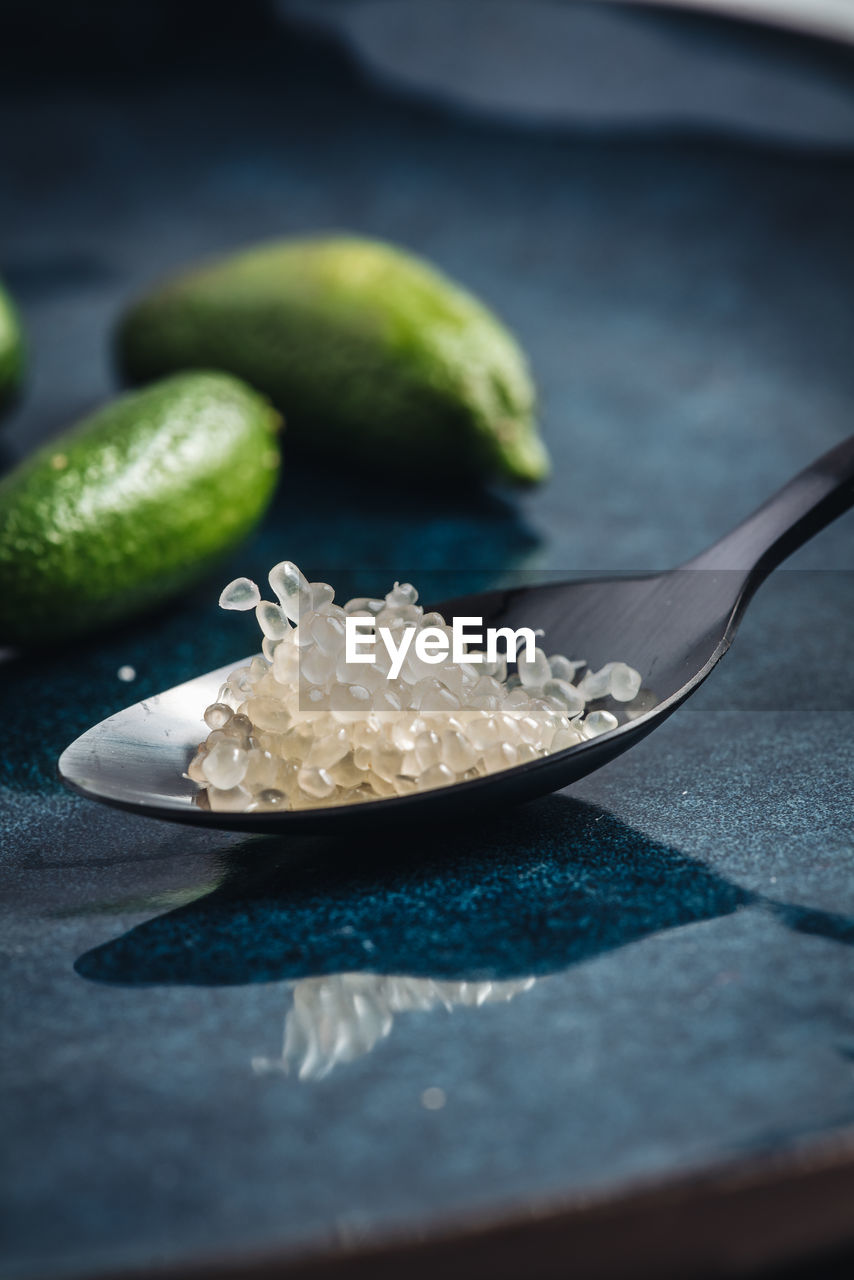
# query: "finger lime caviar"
{"points": [[301, 727]]}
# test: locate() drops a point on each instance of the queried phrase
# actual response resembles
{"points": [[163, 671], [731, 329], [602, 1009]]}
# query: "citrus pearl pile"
{"points": [[301, 728]]}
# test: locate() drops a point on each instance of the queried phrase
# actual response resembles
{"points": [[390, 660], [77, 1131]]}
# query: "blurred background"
{"points": [[656, 200], [659, 201]]}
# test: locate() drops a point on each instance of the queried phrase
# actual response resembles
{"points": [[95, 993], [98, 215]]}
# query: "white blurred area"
{"points": [[342, 1017], [596, 64], [832, 18]]}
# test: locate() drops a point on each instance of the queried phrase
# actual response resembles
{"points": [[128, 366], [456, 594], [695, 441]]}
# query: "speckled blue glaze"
{"points": [[688, 911], [496, 911], [591, 885]]}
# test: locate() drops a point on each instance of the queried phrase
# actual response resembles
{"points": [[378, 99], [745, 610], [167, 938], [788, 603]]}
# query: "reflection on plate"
{"points": [[342, 1017]]}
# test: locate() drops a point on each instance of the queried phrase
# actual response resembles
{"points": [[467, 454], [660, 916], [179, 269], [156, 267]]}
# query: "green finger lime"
{"points": [[376, 359], [134, 503], [12, 357]]}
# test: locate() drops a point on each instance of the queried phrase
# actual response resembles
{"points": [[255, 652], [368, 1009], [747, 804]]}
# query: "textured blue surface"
{"points": [[687, 912]]}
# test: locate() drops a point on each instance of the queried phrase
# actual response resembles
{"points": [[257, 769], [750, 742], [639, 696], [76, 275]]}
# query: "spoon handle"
{"points": [[815, 497]]}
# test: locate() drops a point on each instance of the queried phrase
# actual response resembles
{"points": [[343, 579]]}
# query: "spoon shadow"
{"points": [[539, 891]]}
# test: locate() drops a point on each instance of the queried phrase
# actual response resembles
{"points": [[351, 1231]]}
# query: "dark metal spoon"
{"points": [[673, 627]]}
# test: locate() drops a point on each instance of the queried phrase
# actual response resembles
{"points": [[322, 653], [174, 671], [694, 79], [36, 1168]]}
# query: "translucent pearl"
{"points": [[225, 765], [239, 684], [509, 728], [316, 666], [349, 697], [410, 768], [242, 593], [415, 670], [565, 693], [195, 772], [270, 714], [497, 670], [328, 633], [438, 775], [400, 615], [301, 635], [262, 771], [486, 687], [457, 752], [386, 760], [313, 699], [421, 689], [484, 704], [315, 783], [451, 678], [291, 588], [239, 726], [345, 773], [562, 668], [272, 798], [381, 787], [323, 723], [272, 620], [596, 684], [364, 605], [402, 594], [368, 674], [329, 750], [484, 734], [268, 686], [321, 595], [535, 673], [385, 701], [502, 756], [428, 749], [286, 664], [530, 729], [405, 731], [625, 682], [364, 732], [439, 699], [217, 715], [230, 800], [598, 722]]}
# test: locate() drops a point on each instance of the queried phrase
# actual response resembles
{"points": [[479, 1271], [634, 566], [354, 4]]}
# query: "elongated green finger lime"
{"points": [[132, 504], [12, 357], [375, 358]]}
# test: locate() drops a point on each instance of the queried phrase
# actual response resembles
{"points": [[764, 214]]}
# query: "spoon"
{"points": [[673, 627]]}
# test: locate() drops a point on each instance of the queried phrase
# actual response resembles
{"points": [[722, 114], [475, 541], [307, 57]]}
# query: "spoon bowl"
{"points": [[673, 627]]}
